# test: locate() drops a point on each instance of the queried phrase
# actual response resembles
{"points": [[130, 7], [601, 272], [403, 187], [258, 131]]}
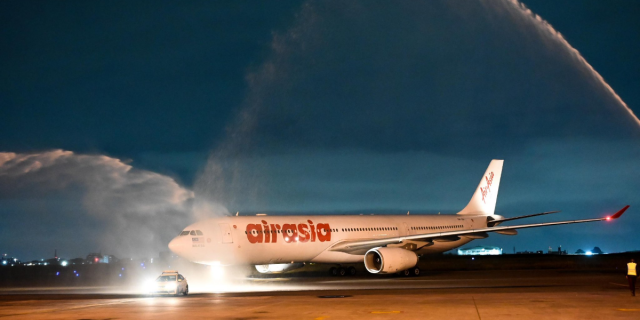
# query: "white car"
{"points": [[170, 282]]}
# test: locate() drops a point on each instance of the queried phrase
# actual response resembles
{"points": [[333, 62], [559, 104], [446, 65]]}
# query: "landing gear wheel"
{"points": [[333, 271], [407, 273], [415, 272], [342, 271], [352, 271], [186, 291]]}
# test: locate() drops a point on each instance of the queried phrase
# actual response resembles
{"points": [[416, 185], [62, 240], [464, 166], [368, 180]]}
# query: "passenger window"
{"points": [[193, 232], [199, 232]]}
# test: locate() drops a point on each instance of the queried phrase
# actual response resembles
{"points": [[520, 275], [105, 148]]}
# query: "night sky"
{"points": [[123, 122]]}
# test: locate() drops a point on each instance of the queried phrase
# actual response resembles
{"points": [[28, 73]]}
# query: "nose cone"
{"points": [[178, 246]]}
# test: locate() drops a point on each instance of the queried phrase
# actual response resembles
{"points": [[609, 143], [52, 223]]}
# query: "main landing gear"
{"points": [[342, 271], [412, 272]]}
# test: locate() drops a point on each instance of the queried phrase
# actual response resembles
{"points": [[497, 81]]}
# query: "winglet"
{"points": [[619, 213]]}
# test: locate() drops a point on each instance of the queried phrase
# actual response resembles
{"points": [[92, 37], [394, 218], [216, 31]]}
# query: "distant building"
{"points": [[480, 251], [9, 261], [94, 257], [100, 258], [558, 252]]}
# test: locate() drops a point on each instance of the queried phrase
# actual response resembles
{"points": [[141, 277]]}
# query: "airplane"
{"points": [[385, 243]]}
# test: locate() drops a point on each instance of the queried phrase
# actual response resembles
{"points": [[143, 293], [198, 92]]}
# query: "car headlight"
{"points": [[150, 286]]}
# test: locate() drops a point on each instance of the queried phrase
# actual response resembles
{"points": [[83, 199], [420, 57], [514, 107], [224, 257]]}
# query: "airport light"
{"points": [[150, 286], [588, 253], [170, 286], [64, 263], [4, 262]]}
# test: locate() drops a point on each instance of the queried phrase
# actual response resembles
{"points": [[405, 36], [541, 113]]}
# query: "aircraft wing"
{"points": [[416, 241]]}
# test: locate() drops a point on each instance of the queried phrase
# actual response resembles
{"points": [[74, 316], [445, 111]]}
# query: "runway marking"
{"points": [[379, 312], [628, 309], [320, 318], [475, 305], [622, 285], [269, 280], [270, 304]]}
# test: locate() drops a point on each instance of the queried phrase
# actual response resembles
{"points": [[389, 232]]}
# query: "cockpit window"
{"points": [[199, 232], [184, 233], [193, 232]]}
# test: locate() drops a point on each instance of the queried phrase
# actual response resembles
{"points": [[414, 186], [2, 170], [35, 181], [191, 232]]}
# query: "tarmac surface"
{"points": [[523, 294]]}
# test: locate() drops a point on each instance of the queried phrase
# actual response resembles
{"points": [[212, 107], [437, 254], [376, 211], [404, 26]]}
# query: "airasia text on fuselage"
{"points": [[288, 232]]}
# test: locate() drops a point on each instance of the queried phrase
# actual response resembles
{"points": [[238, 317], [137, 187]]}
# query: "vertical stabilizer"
{"points": [[484, 199]]}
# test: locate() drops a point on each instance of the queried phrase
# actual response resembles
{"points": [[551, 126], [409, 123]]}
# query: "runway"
{"points": [[519, 294]]}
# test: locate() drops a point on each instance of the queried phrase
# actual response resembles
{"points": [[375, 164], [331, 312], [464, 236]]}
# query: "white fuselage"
{"points": [[286, 239], [384, 243]]}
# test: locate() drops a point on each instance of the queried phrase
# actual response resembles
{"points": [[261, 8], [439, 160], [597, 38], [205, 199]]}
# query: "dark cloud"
{"points": [[467, 78], [127, 77]]}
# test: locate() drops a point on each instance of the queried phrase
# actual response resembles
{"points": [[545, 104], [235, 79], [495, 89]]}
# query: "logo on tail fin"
{"points": [[484, 191]]}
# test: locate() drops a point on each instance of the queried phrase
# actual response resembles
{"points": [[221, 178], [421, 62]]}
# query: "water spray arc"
{"points": [[546, 26]]}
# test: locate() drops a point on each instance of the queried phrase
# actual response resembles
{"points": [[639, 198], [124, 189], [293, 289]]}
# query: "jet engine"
{"points": [[389, 260], [278, 267]]}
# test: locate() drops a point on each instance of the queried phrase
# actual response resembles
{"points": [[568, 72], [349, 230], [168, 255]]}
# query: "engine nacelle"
{"points": [[278, 267], [389, 260]]}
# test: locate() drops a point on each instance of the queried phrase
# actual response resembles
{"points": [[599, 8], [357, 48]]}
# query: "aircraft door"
{"points": [[407, 230], [225, 230]]}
